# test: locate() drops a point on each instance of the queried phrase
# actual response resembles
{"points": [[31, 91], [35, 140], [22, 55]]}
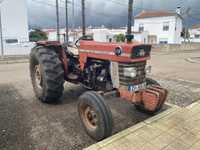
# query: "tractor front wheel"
{"points": [[95, 115]]}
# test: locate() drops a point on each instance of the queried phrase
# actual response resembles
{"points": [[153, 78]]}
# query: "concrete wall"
{"points": [[18, 49], [176, 47]]}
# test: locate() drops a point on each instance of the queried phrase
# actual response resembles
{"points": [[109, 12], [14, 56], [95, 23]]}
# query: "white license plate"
{"points": [[135, 88]]}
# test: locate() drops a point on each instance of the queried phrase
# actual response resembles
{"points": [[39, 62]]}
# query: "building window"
{"points": [[11, 41], [166, 26], [141, 27], [163, 41], [197, 36]]}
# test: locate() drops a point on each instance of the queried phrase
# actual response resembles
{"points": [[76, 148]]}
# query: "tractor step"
{"points": [[72, 76]]}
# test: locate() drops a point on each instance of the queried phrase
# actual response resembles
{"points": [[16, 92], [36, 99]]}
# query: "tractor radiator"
{"points": [[140, 70]]}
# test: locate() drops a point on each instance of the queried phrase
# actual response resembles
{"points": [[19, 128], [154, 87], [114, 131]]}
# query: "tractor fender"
{"points": [[57, 47]]}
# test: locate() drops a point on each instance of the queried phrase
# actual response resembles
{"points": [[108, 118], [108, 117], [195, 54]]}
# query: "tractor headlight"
{"points": [[130, 72]]}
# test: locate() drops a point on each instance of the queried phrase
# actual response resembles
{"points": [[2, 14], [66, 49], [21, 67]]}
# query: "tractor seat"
{"points": [[73, 50]]}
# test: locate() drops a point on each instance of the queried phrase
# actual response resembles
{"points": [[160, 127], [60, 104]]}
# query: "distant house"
{"points": [[106, 35], [195, 33], [161, 27]]}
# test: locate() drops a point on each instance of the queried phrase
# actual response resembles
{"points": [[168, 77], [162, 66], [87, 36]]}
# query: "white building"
{"points": [[99, 34], [106, 35], [195, 33], [14, 26], [161, 27]]}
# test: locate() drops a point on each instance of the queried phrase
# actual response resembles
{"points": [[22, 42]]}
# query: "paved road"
{"points": [[28, 124]]}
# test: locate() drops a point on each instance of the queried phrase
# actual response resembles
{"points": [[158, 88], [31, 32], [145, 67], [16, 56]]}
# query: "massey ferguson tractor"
{"points": [[101, 68]]}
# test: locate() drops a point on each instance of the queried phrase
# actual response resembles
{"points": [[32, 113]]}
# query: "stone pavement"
{"points": [[175, 129]]}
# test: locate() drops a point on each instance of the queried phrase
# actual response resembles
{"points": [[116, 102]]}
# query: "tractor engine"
{"points": [[96, 75]]}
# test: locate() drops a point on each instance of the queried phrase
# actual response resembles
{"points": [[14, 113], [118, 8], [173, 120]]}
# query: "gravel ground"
{"points": [[26, 123], [181, 93]]}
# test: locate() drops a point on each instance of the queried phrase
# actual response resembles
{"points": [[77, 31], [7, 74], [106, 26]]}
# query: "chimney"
{"points": [[178, 10]]}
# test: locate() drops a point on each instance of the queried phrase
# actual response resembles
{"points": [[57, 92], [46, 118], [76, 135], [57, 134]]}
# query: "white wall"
{"points": [[14, 22], [103, 35], [194, 32], [141, 37], [155, 27], [14, 19]]}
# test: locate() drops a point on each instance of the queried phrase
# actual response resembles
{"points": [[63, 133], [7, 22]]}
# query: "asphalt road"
{"points": [[26, 123]]}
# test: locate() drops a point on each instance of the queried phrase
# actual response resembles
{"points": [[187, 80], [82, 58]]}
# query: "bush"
{"points": [[120, 38], [37, 35]]}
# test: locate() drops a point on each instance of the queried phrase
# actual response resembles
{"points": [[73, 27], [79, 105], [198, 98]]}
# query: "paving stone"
{"points": [[189, 138], [124, 144], [148, 146], [162, 140], [149, 132], [179, 144], [93, 147], [176, 132], [169, 147], [136, 140], [196, 146]]}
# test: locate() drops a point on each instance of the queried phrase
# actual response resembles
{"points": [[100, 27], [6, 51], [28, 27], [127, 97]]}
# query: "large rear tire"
{"points": [[95, 115], [47, 74]]}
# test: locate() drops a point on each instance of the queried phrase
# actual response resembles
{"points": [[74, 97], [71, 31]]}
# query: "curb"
{"points": [[134, 128], [192, 60], [14, 61]]}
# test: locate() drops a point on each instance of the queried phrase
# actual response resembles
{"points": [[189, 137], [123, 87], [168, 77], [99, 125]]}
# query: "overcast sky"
{"points": [[111, 13]]}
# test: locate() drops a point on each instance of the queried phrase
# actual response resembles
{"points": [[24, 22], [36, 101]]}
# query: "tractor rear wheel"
{"points": [[140, 107], [47, 74], [95, 115]]}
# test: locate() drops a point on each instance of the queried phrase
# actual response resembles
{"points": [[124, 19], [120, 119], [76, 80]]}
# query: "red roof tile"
{"points": [[197, 26], [151, 14]]}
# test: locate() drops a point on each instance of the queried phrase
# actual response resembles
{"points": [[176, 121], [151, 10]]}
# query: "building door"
{"points": [[152, 39]]}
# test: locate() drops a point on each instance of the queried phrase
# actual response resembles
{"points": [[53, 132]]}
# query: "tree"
{"points": [[120, 38], [37, 35]]}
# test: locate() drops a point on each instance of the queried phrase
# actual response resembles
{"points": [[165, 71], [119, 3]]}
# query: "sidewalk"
{"points": [[14, 59], [174, 129]]}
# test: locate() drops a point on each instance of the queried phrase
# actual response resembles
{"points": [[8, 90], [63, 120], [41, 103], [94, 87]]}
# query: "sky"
{"points": [[111, 13]]}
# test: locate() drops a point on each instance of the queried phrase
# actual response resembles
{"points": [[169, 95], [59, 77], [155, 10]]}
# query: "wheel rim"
{"points": [[38, 77], [89, 117]]}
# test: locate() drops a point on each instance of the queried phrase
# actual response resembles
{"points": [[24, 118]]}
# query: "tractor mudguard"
{"points": [[57, 47]]}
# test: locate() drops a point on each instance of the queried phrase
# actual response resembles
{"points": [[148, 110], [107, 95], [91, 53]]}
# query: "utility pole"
{"points": [[57, 21], [1, 33], [73, 19], [129, 35], [130, 16], [83, 17], [66, 21]]}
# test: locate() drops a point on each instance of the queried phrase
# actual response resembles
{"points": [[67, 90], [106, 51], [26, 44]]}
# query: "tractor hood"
{"points": [[120, 51]]}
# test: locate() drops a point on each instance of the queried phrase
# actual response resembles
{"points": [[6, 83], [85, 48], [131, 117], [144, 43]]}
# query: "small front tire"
{"points": [[95, 115]]}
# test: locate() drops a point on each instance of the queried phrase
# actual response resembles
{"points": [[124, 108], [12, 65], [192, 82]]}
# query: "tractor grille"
{"points": [[141, 73]]}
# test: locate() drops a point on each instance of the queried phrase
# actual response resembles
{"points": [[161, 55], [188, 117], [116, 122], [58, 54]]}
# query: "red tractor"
{"points": [[102, 68]]}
